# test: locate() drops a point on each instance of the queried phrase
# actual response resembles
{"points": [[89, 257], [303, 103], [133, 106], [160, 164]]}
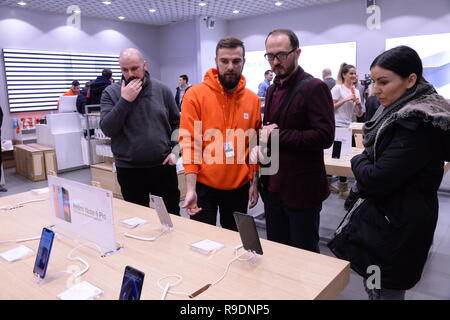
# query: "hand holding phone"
{"points": [[132, 283], [43, 255]]}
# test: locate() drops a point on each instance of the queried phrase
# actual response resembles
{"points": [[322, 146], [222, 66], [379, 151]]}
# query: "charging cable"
{"points": [[166, 288], [79, 259], [20, 204], [166, 230]]}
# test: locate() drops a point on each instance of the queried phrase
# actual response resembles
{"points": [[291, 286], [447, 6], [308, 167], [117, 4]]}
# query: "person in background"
{"points": [[98, 85], [74, 90], [263, 86], [406, 143], [223, 106], [293, 197], [81, 98], [347, 103], [2, 188], [181, 90], [328, 79], [140, 116]]}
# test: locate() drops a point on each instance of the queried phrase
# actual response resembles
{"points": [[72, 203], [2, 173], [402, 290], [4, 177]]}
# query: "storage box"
{"points": [[104, 175], [30, 162], [49, 157]]}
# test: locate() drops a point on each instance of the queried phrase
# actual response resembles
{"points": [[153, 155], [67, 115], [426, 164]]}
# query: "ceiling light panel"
{"points": [[167, 11]]}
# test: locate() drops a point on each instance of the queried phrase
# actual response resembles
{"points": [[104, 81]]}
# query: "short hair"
{"points": [[344, 69], [107, 73], [291, 35], [401, 60], [326, 72], [230, 43], [184, 77], [75, 83], [267, 72]]}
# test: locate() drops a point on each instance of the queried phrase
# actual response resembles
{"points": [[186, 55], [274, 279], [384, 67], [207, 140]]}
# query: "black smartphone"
{"points": [[247, 230], [132, 283], [43, 255], [336, 153]]}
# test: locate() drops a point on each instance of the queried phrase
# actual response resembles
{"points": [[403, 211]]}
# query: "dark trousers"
{"points": [[297, 228], [137, 183], [227, 201]]}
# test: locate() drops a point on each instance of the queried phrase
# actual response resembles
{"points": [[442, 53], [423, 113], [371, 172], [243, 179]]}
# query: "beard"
{"points": [[283, 72], [229, 80]]}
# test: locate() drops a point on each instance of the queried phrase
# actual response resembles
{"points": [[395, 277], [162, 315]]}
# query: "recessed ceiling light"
{"points": [[21, 3], [106, 2], [236, 11], [121, 17], [202, 4], [77, 11], [278, 3], [152, 10]]}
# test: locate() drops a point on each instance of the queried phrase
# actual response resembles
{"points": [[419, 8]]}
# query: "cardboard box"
{"points": [[103, 174], [30, 162], [49, 157]]}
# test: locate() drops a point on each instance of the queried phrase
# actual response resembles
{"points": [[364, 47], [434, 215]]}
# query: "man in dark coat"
{"points": [[293, 197]]}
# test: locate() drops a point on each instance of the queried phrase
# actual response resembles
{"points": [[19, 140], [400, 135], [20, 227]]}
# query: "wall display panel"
{"points": [[312, 58], [36, 79], [434, 50]]}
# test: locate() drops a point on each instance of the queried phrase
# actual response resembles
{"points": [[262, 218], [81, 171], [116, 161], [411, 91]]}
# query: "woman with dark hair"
{"points": [[391, 227], [347, 102]]}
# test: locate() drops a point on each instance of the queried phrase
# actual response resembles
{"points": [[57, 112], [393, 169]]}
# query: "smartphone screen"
{"points": [[43, 255], [247, 230], [66, 204], [133, 280], [336, 153]]}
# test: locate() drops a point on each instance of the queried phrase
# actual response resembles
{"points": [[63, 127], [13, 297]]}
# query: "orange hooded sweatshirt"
{"points": [[207, 112]]}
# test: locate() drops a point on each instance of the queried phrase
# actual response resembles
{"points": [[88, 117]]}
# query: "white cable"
{"points": [[69, 256], [229, 264], [21, 240], [168, 285], [20, 204], [144, 238]]}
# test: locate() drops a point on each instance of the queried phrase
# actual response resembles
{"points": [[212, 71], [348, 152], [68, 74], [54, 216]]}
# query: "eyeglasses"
{"points": [[281, 56]]}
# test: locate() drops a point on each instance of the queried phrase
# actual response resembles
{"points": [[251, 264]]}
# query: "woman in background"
{"points": [[347, 102], [391, 227]]}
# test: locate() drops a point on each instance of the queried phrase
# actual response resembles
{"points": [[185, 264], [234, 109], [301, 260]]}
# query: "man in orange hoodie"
{"points": [[219, 122]]}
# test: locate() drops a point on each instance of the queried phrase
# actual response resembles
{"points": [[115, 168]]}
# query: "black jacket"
{"points": [[177, 97], [394, 226]]}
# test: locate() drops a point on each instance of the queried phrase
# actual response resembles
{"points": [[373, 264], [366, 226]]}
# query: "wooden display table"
{"points": [[283, 272]]}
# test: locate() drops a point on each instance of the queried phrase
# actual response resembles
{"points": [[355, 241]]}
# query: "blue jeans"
{"points": [[297, 228]]}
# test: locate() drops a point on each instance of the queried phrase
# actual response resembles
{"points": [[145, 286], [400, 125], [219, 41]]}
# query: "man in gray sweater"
{"points": [[140, 115]]}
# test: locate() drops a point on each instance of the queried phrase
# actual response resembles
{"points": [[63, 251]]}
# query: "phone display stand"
{"points": [[163, 216]]}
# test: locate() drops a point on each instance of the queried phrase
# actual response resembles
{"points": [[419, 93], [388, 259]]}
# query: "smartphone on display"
{"points": [[132, 283], [247, 230], [66, 204], [336, 153], [43, 255], [161, 210]]}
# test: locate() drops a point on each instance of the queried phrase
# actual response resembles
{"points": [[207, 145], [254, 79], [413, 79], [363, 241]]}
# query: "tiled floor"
{"points": [[435, 282]]}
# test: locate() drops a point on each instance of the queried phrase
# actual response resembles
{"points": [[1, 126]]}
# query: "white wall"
{"points": [[345, 21], [25, 29], [178, 53], [208, 43]]}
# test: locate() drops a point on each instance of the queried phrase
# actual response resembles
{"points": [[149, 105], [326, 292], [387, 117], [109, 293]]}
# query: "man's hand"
{"points": [[253, 195], [190, 203], [171, 160], [265, 132], [130, 91]]}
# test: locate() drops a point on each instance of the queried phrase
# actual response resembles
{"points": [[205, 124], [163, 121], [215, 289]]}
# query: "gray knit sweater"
{"points": [[141, 130]]}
